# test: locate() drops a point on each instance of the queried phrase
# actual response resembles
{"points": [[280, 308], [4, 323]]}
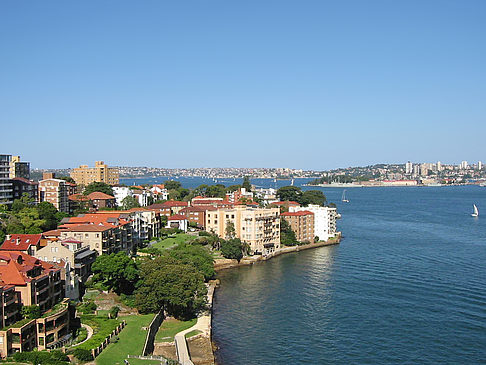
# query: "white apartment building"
{"points": [[324, 220], [120, 193]]}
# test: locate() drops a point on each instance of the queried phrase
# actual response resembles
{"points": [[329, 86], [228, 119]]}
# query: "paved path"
{"points": [[203, 324], [90, 334]]}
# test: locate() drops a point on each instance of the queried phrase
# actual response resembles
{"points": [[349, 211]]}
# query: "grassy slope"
{"points": [[169, 242], [132, 339], [170, 327]]}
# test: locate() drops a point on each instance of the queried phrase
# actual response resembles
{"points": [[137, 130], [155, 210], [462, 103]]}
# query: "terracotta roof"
{"points": [[16, 264], [199, 208], [177, 217], [168, 204], [98, 195], [78, 197], [86, 227], [294, 214], [26, 181], [286, 202], [21, 242]]}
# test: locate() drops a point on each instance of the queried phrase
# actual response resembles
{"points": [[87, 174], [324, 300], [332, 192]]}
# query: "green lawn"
{"points": [[132, 339], [102, 327], [170, 327], [169, 242], [192, 333]]}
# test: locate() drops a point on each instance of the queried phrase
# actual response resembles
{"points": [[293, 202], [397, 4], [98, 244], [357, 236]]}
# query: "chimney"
{"points": [[48, 175]]}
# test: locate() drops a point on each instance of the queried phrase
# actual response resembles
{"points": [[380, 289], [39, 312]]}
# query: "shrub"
{"points": [[82, 354], [114, 311]]}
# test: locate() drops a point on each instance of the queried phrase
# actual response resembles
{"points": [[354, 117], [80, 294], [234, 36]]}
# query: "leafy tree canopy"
{"points": [[246, 183], [130, 202], [98, 186], [197, 256], [116, 272], [169, 284], [171, 184], [232, 249]]}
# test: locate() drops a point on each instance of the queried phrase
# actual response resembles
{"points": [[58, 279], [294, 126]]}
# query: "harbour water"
{"points": [[407, 285]]}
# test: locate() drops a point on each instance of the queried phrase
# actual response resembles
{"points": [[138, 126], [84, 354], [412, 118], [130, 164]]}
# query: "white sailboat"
{"points": [[475, 211], [343, 198], [292, 182]]}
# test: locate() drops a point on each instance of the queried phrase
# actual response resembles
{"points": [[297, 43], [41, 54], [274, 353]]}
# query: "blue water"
{"points": [[407, 285], [193, 182]]}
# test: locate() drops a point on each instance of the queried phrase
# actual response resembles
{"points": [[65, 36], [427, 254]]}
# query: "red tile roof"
{"points": [[98, 195], [177, 217], [286, 202], [78, 197], [295, 214], [14, 266], [21, 242]]}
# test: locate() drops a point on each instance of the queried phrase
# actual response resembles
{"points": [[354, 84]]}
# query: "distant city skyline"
{"points": [[316, 85]]}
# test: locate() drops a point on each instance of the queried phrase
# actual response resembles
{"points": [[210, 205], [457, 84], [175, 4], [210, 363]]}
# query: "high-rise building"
{"points": [[19, 169], [54, 191], [480, 165], [464, 165], [408, 167], [439, 166], [84, 175], [6, 194]]}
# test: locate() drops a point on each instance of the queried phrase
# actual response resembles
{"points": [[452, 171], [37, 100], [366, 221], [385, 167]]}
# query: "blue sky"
{"points": [[301, 84]]}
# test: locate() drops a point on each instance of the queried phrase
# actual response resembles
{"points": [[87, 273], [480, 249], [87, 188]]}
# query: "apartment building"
{"points": [[105, 235], [302, 223], [35, 283], [54, 191], [197, 214], [22, 186], [6, 194], [169, 208], [73, 259], [258, 227], [27, 243], [84, 175], [324, 220], [19, 168]]}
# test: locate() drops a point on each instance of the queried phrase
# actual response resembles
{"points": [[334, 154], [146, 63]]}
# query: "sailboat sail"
{"points": [[475, 211], [343, 198]]}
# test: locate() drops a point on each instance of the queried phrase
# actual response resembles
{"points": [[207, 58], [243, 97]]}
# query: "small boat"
{"points": [[292, 182], [343, 198], [475, 211]]}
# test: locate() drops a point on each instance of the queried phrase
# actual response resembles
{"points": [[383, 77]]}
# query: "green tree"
{"points": [[129, 202], [30, 220], [313, 197], [232, 249], [246, 183], [98, 186], [169, 284], [50, 215], [292, 193], [171, 184], [287, 236], [230, 231], [195, 255], [116, 272]]}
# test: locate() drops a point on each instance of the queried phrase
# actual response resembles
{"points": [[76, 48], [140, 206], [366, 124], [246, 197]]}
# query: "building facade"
{"points": [[22, 186], [54, 191], [19, 168], [258, 227], [302, 223], [84, 175], [6, 193], [324, 220]]}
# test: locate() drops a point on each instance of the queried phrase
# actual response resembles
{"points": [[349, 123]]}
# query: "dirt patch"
{"points": [[106, 301], [200, 349], [165, 349]]}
